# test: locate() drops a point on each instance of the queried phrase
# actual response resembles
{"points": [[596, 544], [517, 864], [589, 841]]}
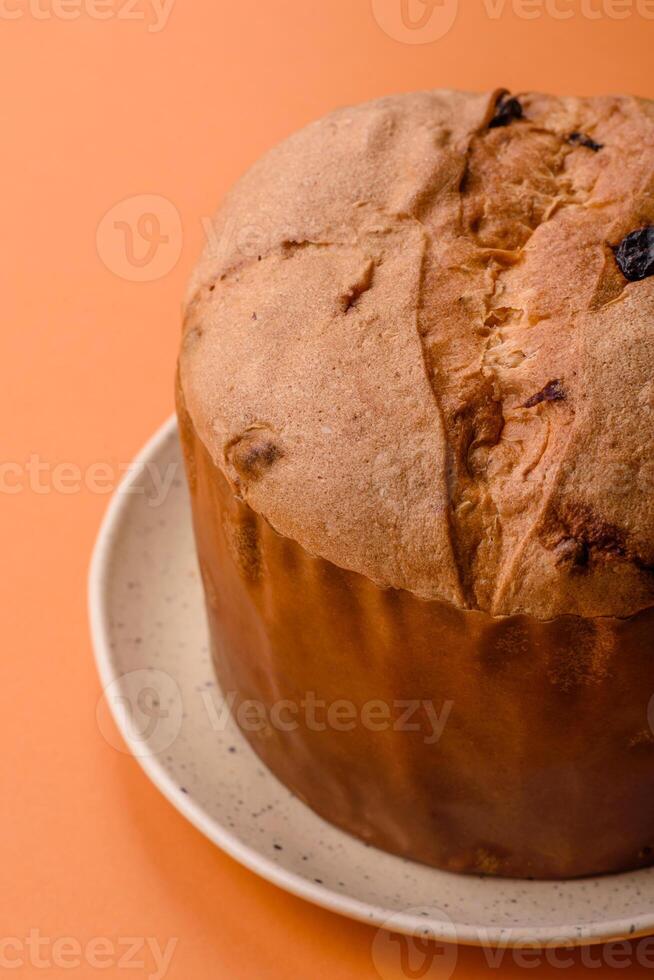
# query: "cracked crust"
{"points": [[409, 347]]}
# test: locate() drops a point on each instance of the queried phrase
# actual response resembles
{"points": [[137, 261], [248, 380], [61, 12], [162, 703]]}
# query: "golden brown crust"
{"points": [[408, 346]]}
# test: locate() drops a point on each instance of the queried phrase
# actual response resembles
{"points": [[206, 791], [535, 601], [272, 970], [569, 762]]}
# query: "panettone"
{"points": [[416, 398]]}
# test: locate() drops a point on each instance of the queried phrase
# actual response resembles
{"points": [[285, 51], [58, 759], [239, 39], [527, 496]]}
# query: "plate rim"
{"points": [[320, 895]]}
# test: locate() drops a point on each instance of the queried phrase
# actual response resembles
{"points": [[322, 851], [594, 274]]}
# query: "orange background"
{"points": [[94, 111]]}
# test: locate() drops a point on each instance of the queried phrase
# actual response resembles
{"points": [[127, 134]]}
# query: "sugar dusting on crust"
{"points": [[448, 360]]}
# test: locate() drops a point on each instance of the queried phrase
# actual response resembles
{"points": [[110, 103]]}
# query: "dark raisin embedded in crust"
{"points": [[635, 254], [581, 139], [253, 453], [552, 392], [507, 109], [572, 553]]}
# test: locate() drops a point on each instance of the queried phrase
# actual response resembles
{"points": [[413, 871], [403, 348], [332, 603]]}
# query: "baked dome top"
{"points": [[420, 342]]}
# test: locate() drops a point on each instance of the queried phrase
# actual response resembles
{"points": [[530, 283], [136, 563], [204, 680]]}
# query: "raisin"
{"points": [[253, 453], [507, 110], [572, 553], [635, 254], [581, 139], [552, 392]]}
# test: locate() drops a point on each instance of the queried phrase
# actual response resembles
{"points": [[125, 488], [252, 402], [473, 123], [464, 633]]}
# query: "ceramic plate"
{"points": [[150, 639]]}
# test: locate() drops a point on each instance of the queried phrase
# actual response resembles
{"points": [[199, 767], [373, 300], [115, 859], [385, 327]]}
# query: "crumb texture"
{"points": [[412, 347]]}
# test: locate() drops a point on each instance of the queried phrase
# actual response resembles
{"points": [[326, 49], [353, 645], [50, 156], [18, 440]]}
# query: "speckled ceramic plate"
{"points": [[150, 639]]}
